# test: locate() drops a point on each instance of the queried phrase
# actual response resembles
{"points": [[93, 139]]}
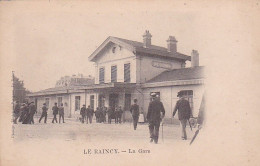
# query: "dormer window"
{"points": [[114, 49]]}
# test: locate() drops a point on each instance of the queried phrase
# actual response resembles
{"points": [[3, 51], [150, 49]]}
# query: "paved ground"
{"points": [[74, 130]]}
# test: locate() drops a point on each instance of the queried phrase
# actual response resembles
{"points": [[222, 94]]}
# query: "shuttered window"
{"points": [[127, 72], [101, 75], [113, 73]]}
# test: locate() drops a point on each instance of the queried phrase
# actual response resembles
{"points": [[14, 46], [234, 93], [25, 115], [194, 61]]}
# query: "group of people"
{"points": [[25, 112], [86, 113], [102, 114], [156, 112], [56, 110]]}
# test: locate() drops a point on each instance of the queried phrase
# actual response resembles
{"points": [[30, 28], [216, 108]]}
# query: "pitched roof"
{"points": [[138, 47], [179, 74]]}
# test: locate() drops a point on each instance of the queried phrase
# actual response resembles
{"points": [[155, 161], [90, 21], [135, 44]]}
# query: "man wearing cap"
{"points": [[155, 114], [134, 109], [83, 112], [55, 110], [44, 113], [184, 113]]}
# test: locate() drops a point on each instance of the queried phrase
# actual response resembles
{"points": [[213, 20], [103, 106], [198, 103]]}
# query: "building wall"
{"points": [[149, 67], [119, 58], [168, 96], [52, 100]]}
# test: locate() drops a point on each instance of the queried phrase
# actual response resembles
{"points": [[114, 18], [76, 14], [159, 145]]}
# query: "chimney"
{"points": [[172, 44], [194, 58], [147, 39]]}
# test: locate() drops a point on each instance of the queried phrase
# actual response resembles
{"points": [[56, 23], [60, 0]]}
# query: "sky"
{"points": [[56, 39]]}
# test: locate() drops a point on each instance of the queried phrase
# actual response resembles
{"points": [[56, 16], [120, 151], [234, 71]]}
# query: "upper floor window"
{"points": [[101, 75], [114, 49], [113, 73], [127, 77]]}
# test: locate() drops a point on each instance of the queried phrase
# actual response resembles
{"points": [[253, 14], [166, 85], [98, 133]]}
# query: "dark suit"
{"points": [[44, 114], [135, 114], [89, 115], [154, 117], [32, 111], [55, 112], [61, 113], [184, 113], [83, 111]]}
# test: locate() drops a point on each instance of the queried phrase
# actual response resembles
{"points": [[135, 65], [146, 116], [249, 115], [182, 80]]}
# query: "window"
{"points": [[92, 101], [113, 73], [127, 102], [114, 49], [59, 100], [101, 75], [127, 72], [189, 95], [77, 103], [47, 102]]}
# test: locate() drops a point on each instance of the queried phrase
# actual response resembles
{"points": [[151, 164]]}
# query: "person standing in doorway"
{"points": [[155, 115], [135, 113], [61, 112], [44, 113], [55, 110], [184, 113]]}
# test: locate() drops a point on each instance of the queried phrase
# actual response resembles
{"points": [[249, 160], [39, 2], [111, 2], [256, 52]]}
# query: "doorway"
{"points": [[113, 101]]}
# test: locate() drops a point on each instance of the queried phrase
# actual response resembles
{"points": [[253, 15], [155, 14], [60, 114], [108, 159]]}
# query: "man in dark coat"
{"points": [[16, 112], [23, 112], [184, 113], [32, 111], [55, 110], [44, 113], [26, 115], [120, 113], [83, 112], [61, 112], [109, 114], [134, 109], [155, 114], [89, 114]]}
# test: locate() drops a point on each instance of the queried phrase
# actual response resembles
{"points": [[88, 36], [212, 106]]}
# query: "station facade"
{"points": [[126, 70]]}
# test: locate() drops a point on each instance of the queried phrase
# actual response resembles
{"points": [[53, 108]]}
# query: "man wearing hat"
{"points": [[55, 110], [155, 114], [44, 113], [83, 111], [184, 113], [135, 113], [32, 111]]}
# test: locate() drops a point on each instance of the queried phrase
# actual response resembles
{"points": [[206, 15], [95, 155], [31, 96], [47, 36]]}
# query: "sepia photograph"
{"points": [[129, 83]]}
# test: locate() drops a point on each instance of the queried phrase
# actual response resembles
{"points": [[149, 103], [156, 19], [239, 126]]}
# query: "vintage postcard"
{"points": [[129, 83]]}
